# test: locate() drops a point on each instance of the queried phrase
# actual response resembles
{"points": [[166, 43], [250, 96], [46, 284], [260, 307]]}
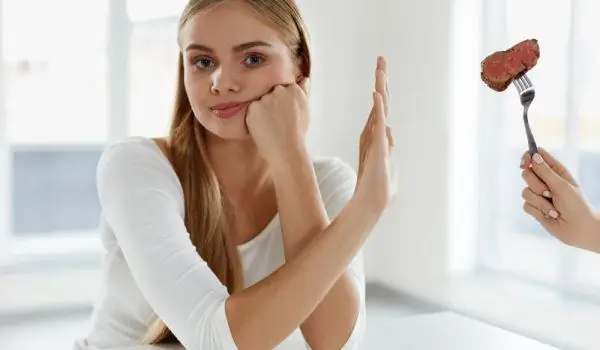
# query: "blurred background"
{"points": [[78, 75]]}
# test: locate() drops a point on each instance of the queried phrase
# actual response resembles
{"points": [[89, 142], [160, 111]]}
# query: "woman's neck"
{"points": [[242, 172]]}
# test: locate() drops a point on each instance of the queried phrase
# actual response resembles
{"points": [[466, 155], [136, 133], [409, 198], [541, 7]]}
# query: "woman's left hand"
{"points": [[554, 199], [278, 121]]}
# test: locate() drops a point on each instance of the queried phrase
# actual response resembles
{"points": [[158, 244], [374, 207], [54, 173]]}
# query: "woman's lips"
{"points": [[228, 110]]}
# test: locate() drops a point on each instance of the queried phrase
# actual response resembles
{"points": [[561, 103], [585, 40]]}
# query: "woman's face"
{"points": [[231, 58]]}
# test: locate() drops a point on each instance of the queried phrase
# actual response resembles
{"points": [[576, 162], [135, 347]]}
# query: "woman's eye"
{"points": [[204, 63], [253, 60]]}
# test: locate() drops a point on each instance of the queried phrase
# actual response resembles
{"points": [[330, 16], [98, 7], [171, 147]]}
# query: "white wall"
{"points": [[409, 249]]}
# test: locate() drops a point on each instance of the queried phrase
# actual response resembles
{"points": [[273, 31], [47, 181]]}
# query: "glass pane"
{"points": [[54, 190], [56, 98], [143, 10], [588, 69], [153, 69], [588, 264], [550, 26], [56, 70], [586, 275]]}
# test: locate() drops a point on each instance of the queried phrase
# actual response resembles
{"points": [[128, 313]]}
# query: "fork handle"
{"points": [[533, 149]]}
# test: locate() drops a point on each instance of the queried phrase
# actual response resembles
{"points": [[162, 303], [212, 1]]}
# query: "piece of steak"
{"points": [[499, 69]]}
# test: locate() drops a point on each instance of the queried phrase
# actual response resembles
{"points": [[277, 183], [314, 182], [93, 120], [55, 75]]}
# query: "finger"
{"points": [[367, 134], [545, 221], [546, 174], [557, 166], [390, 137], [379, 127], [525, 160], [275, 88], [380, 87], [534, 182], [540, 203], [383, 65], [533, 211]]}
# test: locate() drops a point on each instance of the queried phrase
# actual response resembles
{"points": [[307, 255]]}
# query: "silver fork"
{"points": [[526, 94]]}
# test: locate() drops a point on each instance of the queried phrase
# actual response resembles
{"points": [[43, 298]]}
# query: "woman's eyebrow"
{"points": [[237, 48]]}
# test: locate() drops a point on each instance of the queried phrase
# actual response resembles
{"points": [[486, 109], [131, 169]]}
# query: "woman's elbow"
{"points": [[212, 329], [357, 335]]}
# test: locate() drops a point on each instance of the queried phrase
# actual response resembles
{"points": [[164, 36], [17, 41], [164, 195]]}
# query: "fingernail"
{"points": [[547, 194], [522, 161], [538, 159], [553, 214]]}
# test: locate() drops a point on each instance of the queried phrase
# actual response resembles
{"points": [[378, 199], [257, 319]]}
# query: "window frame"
{"points": [[5, 159]]}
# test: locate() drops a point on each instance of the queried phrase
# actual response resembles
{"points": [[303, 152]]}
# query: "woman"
{"points": [[553, 198], [227, 234]]}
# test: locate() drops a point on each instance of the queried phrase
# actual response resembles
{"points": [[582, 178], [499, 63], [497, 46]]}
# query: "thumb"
{"points": [[305, 85], [543, 170]]}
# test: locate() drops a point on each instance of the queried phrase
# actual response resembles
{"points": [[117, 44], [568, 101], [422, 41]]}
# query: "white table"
{"points": [[447, 331], [151, 347], [437, 331]]}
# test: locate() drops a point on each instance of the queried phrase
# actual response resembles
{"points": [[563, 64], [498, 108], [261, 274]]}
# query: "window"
{"points": [[55, 77], [565, 119], [54, 101], [87, 74], [153, 53], [65, 94], [147, 10], [54, 191]]}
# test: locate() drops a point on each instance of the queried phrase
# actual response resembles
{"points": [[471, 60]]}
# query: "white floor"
{"points": [[58, 332]]}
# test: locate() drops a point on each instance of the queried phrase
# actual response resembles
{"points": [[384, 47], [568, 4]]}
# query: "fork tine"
{"points": [[527, 81], [516, 84], [524, 83], [519, 84]]}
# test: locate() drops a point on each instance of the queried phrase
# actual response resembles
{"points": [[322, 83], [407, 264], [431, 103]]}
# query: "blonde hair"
{"points": [[206, 217]]}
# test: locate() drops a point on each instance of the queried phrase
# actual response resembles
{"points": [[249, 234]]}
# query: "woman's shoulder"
{"points": [[135, 149], [135, 156], [337, 181], [332, 166], [333, 173]]}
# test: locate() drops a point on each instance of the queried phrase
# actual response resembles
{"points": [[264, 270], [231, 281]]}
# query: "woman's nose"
{"points": [[224, 81]]}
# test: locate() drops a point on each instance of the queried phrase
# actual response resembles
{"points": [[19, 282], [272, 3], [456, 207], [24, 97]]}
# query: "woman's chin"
{"points": [[229, 133]]}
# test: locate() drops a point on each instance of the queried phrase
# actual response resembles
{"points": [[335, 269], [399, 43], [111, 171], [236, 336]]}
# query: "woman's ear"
{"points": [[304, 84]]}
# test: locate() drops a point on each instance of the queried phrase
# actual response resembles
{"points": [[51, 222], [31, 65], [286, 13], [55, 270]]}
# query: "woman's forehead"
{"points": [[228, 25]]}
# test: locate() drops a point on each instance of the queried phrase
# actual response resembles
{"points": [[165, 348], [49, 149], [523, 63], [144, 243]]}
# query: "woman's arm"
{"points": [[140, 199], [303, 215], [266, 313]]}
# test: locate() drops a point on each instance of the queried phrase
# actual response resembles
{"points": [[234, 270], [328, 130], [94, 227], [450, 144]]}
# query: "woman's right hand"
{"points": [[554, 199], [376, 185]]}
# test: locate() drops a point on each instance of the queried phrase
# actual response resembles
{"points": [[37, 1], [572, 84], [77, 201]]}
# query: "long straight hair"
{"points": [[206, 217]]}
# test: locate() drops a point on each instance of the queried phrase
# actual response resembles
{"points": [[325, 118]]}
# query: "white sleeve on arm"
{"points": [[140, 197], [337, 187]]}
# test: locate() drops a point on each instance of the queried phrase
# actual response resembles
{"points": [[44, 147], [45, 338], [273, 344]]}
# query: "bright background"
{"points": [[78, 75]]}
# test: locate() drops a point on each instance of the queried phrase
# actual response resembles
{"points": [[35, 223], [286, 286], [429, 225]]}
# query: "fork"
{"points": [[526, 94]]}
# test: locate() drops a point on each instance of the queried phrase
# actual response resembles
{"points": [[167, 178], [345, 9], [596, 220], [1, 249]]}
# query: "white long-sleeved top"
{"points": [[152, 267]]}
